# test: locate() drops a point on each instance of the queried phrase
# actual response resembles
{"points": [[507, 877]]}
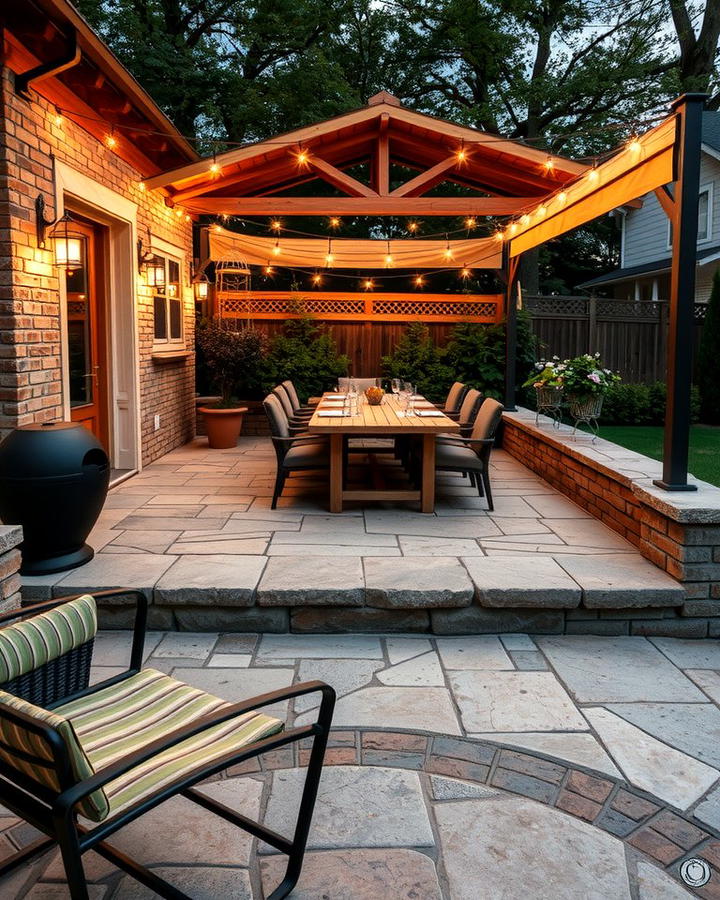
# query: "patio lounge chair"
{"points": [[111, 752], [471, 455], [294, 453]]}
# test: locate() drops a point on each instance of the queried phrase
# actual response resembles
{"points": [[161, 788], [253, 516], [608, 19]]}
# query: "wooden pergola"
{"points": [[545, 196]]}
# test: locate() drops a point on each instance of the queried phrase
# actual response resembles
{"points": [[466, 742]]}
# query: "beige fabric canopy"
{"points": [[346, 253]]}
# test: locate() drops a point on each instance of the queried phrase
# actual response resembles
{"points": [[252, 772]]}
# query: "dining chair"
{"points": [[78, 763], [471, 455], [296, 422], [295, 453], [465, 417], [292, 393], [454, 399]]}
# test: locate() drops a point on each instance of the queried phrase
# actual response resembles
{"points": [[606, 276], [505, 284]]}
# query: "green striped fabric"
{"points": [[41, 767], [30, 644], [123, 718]]}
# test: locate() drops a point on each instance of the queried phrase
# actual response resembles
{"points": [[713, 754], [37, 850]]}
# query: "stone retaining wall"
{"points": [[679, 532], [10, 583]]}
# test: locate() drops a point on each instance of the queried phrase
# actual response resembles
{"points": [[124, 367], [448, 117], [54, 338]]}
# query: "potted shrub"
{"points": [[233, 361], [586, 383]]}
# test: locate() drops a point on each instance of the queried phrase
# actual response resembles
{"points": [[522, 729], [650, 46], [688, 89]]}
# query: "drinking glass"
{"points": [[396, 383]]}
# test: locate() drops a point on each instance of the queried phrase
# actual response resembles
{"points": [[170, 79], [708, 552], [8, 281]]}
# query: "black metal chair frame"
{"points": [[282, 445], [483, 454], [55, 814]]}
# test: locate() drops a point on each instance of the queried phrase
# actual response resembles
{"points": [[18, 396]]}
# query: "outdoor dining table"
{"points": [[389, 419]]}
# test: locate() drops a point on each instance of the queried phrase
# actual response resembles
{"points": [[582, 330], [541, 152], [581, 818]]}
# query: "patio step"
{"points": [[616, 593]]}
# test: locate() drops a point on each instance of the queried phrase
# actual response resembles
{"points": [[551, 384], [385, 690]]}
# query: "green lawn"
{"points": [[648, 439]]}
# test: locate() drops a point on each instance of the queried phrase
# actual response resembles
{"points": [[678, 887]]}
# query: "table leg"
{"points": [[336, 473], [427, 503]]}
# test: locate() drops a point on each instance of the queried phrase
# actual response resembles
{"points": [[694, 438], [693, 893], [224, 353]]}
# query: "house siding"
{"points": [[31, 385]]}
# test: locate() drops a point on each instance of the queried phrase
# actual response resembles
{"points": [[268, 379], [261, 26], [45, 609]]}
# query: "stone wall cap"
{"points": [[700, 507], [10, 536]]}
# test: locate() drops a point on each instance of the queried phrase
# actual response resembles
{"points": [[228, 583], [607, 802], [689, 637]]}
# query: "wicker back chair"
{"points": [[96, 752]]}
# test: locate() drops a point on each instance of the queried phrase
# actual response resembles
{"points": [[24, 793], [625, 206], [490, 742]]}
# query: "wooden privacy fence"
{"points": [[630, 335], [365, 326]]}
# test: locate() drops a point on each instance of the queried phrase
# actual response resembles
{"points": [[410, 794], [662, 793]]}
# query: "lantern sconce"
{"points": [[68, 246], [144, 258], [201, 286]]}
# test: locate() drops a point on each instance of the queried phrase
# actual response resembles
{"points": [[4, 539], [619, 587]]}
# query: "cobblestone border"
{"points": [[647, 824]]}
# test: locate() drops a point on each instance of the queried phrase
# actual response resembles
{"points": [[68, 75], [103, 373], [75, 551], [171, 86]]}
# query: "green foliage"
{"points": [[232, 359], [641, 404], [474, 354], [306, 353], [709, 358], [585, 376], [418, 360]]}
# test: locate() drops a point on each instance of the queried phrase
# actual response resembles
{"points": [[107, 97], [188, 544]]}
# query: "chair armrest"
{"points": [[304, 437], [469, 441], [76, 792]]}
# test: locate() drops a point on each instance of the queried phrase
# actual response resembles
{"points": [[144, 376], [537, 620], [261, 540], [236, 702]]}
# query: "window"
{"points": [[705, 213], [163, 275]]}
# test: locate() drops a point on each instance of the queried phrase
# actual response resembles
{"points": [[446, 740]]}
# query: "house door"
{"points": [[86, 330]]}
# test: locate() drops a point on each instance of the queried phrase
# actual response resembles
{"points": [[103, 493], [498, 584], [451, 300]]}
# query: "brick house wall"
{"points": [[30, 311]]}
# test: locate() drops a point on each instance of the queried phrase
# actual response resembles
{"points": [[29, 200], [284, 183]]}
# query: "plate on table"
{"points": [[433, 413], [327, 413]]}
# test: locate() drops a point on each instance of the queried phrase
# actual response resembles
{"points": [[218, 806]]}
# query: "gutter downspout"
{"points": [[47, 70]]}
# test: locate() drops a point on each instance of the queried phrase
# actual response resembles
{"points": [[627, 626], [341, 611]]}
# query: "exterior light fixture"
{"points": [[155, 272], [335, 222], [201, 287], [68, 246]]}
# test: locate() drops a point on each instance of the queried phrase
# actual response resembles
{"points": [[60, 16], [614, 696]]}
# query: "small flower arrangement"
{"points": [[585, 376], [548, 374]]}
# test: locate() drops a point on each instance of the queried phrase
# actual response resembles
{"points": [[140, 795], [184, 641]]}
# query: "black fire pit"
{"points": [[53, 481]]}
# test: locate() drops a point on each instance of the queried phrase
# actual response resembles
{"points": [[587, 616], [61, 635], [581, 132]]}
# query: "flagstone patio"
{"points": [[196, 532], [459, 767]]}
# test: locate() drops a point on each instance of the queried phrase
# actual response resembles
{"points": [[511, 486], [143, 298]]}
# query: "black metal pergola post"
{"points": [[689, 110], [510, 269]]}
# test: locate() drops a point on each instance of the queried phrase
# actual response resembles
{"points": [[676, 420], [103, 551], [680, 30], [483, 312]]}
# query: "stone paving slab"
{"points": [[221, 578], [617, 581], [315, 580], [410, 583], [528, 581]]}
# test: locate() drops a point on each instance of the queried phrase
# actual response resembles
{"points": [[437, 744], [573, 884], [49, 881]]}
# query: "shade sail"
{"points": [[311, 253], [624, 177]]}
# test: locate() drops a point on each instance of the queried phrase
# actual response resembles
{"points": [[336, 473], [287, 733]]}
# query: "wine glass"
{"points": [[395, 385]]}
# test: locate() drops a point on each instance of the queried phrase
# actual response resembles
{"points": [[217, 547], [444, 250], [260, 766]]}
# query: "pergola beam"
{"points": [[426, 180], [359, 206], [339, 179]]}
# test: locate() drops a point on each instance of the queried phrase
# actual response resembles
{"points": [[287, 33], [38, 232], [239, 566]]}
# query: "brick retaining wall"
{"points": [[10, 558], [678, 532]]}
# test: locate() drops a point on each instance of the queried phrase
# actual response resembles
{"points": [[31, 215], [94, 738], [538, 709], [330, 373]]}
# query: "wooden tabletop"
{"points": [[382, 419]]}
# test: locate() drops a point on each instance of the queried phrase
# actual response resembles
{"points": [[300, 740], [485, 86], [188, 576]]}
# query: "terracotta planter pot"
{"points": [[223, 426]]}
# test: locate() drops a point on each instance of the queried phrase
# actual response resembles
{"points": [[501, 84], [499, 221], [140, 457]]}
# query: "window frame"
{"points": [[169, 258], [708, 189]]}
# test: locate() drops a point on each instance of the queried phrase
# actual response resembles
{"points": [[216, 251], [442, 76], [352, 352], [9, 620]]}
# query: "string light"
{"points": [[141, 185], [549, 164], [269, 270], [461, 153], [276, 249], [593, 173], [413, 227], [562, 197], [187, 217], [634, 145], [448, 254], [465, 273], [499, 235], [525, 220], [276, 225], [178, 212], [224, 217], [388, 256], [513, 227], [542, 210], [214, 166], [470, 223], [419, 281], [335, 222], [368, 284], [329, 258], [302, 157], [110, 139], [217, 227], [58, 116], [317, 279]]}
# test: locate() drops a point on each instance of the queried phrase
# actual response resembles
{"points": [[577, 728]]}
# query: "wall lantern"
{"points": [[155, 272], [68, 246], [201, 287], [144, 258]]}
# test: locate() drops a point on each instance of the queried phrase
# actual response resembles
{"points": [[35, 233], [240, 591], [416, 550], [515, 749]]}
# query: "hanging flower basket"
{"points": [[549, 403]]}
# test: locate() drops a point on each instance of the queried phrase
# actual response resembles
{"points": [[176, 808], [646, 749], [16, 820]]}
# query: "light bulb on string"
{"points": [[549, 164], [542, 210], [269, 269], [388, 256], [465, 273], [276, 249], [499, 235], [525, 220], [634, 145], [111, 140], [461, 153], [513, 227], [419, 281], [141, 185], [329, 257], [470, 223], [335, 222], [302, 157], [214, 166], [224, 217], [593, 173], [413, 227], [276, 226], [447, 253], [317, 279], [217, 227], [562, 197], [58, 116], [368, 284]]}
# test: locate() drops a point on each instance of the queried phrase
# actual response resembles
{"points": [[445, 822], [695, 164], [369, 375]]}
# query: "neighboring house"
{"points": [[110, 343], [645, 252]]}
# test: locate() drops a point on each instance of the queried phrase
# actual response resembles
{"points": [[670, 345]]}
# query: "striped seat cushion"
{"points": [[118, 720], [32, 643]]}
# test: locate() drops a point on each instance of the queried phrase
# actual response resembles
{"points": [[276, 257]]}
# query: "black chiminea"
{"points": [[53, 481]]}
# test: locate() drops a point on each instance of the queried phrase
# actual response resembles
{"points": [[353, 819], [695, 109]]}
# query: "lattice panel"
{"points": [[628, 309], [316, 306], [559, 306], [433, 308]]}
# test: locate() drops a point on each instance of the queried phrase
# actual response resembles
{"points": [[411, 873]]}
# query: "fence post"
{"points": [[592, 323]]}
